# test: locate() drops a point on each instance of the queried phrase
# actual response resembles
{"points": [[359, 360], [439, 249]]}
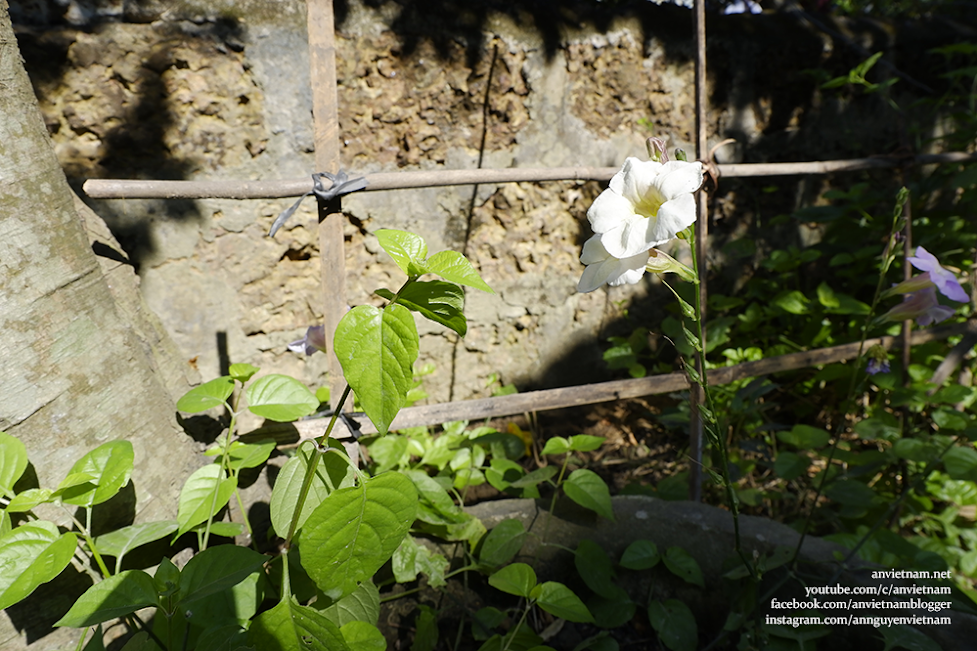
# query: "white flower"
{"points": [[603, 268], [646, 204]]}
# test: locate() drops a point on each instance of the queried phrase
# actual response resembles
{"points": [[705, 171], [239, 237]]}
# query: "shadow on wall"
{"points": [[132, 142]]}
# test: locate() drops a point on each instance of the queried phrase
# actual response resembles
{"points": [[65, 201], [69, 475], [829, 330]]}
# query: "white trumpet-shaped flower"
{"points": [[646, 204], [603, 268]]}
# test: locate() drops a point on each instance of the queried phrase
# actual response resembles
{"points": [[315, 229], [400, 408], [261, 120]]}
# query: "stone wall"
{"points": [[220, 90]]}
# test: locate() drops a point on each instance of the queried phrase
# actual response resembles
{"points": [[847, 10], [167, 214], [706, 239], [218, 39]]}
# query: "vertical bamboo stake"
{"points": [[325, 112], [907, 273], [701, 233]]}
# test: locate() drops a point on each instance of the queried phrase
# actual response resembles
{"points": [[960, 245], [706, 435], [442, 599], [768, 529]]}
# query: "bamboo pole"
{"points": [[607, 391], [697, 395], [325, 112], [141, 189]]}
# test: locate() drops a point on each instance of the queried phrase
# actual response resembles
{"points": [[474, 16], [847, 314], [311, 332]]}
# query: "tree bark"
{"points": [[82, 361]]}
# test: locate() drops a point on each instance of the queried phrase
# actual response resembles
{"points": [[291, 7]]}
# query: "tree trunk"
{"points": [[82, 361]]}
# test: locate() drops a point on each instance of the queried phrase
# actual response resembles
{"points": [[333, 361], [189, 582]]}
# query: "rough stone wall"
{"points": [[220, 90]]}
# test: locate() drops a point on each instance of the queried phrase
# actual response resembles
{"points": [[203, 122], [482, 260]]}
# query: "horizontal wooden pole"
{"points": [[605, 391], [128, 189]]}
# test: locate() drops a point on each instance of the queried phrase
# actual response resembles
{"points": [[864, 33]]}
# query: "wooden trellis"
{"points": [[321, 33]]}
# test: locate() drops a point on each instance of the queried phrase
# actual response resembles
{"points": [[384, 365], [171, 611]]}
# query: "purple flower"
{"points": [[875, 366], [315, 339], [944, 279], [920, 305]]}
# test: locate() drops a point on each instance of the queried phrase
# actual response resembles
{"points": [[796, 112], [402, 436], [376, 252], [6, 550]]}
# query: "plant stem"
{"points": [[712, 428], [311, 469]]}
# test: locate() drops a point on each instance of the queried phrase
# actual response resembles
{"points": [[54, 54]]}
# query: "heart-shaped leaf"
{"points": [[454, 267], [557, 599], [216, 569], [377, 349], [356, 530], [675, 624], [403, 247], [118, 543], [109, 465], [13, 462], [518, 579], [205, 493], [436, 300], [332, 473], [586, 488], [32, 554], [116, 596], [291, 626], [280, 398], [207, 396]]}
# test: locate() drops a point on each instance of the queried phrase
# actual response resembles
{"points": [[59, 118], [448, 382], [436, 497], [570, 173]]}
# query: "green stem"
{"points": [[89, 541], [220, 475], [713, 427], [515, 629], [311, 469]]}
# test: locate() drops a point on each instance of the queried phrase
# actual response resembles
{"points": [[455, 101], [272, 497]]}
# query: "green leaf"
{"points": [[612, 613], [167, 578], [884, 426], [28, 499], [537, 476], [790, 466], [412, 559], [292, 627], [850, 493], [426, 630], [115, 596], [249, 455], [208, 395], [518, 579], [557, 599], [363, 637], [588, 490], [681, 564], [205, 493], [13, 462], [217, 569], [585, 442], [109, 465], [32, 554], [118, 543], [355, 531], [640, 555], [793, 302], [901, 636], [436, 300], [280, 398], [222, 529], [230, 637], [805, 437], [454, 267], [595, 568], [502, 543], [961, 463], [675, 624], [377, 350], [434, 504], [362, 605], [332, 473], [556, 445], [403, 247], [242, 372]]}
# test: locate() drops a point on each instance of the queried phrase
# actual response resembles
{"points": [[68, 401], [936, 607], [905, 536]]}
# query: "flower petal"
{"points": [[673, 217], [608, 211], [679, 177], [638, 178]]}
